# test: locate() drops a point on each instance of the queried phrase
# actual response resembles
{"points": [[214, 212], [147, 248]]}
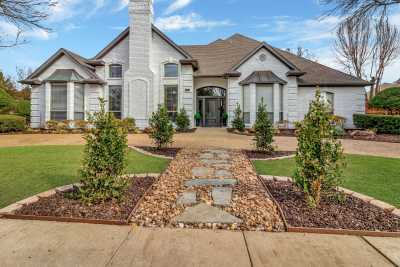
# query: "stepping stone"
{"points": [[222, 166], [222, 196], [202, 213], [223, 174], [202, 172], [206, 156], [211, 182], [216, 151], [187, 198], [223, 156], [213, 161]]}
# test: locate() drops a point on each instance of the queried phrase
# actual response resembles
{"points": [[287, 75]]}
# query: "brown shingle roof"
{"points": [[265, 77], [221, 56]]}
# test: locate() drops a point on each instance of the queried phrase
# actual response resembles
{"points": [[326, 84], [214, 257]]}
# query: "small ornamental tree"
{"points": [[161, 128], [264, 130], [182, 120], [104, 158], [238, 123], [319, 156], [388, 99]]}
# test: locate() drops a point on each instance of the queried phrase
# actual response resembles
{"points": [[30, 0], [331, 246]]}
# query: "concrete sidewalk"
{"points": [[34, 243]]}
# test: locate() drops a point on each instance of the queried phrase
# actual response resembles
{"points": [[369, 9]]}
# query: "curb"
{"points": [[278, 158], [148, 153], [375, 202]]}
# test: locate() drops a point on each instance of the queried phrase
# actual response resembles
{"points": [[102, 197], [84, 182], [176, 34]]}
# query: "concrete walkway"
{"points": [[203, 138], [34, 243]]}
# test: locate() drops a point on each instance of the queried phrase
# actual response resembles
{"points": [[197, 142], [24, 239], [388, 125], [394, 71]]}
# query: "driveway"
{"points": [[203, 138], [35, 243]]}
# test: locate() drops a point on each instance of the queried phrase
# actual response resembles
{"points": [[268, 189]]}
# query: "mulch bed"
{"points": [[59, 205], [192, 130], [353, 214], [168, 152], [253, 154]]}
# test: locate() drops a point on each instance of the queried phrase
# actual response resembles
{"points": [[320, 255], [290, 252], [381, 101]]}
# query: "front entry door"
{"points": [[212, 113]]}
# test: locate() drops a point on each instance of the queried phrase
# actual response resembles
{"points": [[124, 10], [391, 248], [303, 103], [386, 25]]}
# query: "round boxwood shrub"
{"points": [[388, 99], [12, 123]]}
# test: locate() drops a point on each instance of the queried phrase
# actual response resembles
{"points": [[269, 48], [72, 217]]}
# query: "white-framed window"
{"points": [[246, 104], [329, 99], [281, 118], [58, 104], [115, 71], [265, 93], [171, 70], [115, 100], [79, 102], [171, 101]]}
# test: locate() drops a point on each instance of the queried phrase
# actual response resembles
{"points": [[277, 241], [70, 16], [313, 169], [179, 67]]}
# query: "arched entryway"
{"points": [[211, 105]]}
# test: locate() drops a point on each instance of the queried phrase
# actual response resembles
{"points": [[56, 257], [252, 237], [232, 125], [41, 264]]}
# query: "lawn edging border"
{"points": [[148, 153], [367, 199], [9, 211], [271, 159]]}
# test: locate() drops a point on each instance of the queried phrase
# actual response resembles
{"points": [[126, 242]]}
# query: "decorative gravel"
{"points": [[249, 201]]}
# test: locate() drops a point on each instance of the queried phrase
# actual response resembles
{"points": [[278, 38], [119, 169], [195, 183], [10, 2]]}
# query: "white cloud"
{"points": [[9, 32], [177, 5], [191, 21], [121, 4]]}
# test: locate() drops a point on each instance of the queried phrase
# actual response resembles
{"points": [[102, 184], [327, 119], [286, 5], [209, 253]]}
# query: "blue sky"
{"points": [[86, 26]]}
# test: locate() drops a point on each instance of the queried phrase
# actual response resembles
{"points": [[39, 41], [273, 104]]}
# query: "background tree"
{"points": [[319, 155], [388, 99], [104, 158], [25, 15], [264, 130]]}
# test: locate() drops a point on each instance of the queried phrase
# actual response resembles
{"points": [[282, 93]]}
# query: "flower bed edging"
{"points": [[277, 158], [364, 198], [148, 153], [9, 211]]}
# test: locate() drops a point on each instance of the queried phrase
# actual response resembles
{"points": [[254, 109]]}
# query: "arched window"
{"points": [[116, 71], [211, 91], [171, 70]]}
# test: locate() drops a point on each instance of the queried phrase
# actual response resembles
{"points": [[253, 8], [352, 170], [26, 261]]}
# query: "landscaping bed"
{"points": [[167, 152], [352, 214], [62, 205], [253, 154]]}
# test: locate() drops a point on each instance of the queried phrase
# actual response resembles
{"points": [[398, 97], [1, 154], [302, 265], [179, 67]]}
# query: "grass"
{"points": [[25, 171], [377, 177]]}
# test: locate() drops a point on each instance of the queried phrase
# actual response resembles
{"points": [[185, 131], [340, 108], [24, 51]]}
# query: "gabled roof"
{"points": [[262, 77], [65, 75], [79, 60], [125, 34]]}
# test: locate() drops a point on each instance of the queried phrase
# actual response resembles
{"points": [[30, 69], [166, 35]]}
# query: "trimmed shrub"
{"points": [[238, 122], [319, 156], [388, 99], [388, 124], [129, 124], [182, 120], [162, 130], [104, 159], [12, 123], [264, 130]]}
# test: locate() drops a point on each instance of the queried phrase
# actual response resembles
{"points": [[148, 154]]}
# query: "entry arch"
{"points": [[211, 105]]}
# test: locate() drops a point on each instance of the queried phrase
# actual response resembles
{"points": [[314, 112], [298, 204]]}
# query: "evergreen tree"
{"points": [[238, 123], [182, 120], [162, 130], [264, 130]]}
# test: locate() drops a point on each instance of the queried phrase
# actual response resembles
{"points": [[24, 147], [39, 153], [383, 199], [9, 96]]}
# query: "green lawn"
{"points": [[374, 176], [25, 171]]}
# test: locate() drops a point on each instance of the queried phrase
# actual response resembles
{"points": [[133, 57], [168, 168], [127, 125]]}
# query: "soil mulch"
{"points": [[168, 152], [59, 205], [353, 214], [253, 154]]}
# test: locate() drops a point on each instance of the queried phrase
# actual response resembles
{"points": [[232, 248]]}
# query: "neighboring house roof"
{"points": [[262, 77], [81, 61], [125, 34]]}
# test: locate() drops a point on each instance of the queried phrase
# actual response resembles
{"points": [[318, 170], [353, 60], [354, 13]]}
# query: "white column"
{"points": [[47, 101], [253, 103], [277, 104], [70, 100]]}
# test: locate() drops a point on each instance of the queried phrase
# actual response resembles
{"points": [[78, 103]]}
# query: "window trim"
{"points": [[110, 71], [83, 100]]}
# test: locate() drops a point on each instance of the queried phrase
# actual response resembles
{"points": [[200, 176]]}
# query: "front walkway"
{"points": [[203, 138], [34, 243]]}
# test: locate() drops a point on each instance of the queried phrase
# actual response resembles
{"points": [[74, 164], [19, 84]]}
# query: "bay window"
{"points": [[265, 93], [171, 101], [246, 104], [79, 102], [58, 103], [115, 100]]}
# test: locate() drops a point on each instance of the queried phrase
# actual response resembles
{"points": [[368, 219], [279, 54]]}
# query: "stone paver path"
{"points": [[35, 243]]}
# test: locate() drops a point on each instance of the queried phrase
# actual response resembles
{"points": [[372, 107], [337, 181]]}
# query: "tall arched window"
{"points": [[171, 70], [116, 71], [211, 91]]}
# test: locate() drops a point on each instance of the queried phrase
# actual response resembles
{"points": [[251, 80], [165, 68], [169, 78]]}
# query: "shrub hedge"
{"points": [[382, 123], [12, 123], [388, 99]]}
